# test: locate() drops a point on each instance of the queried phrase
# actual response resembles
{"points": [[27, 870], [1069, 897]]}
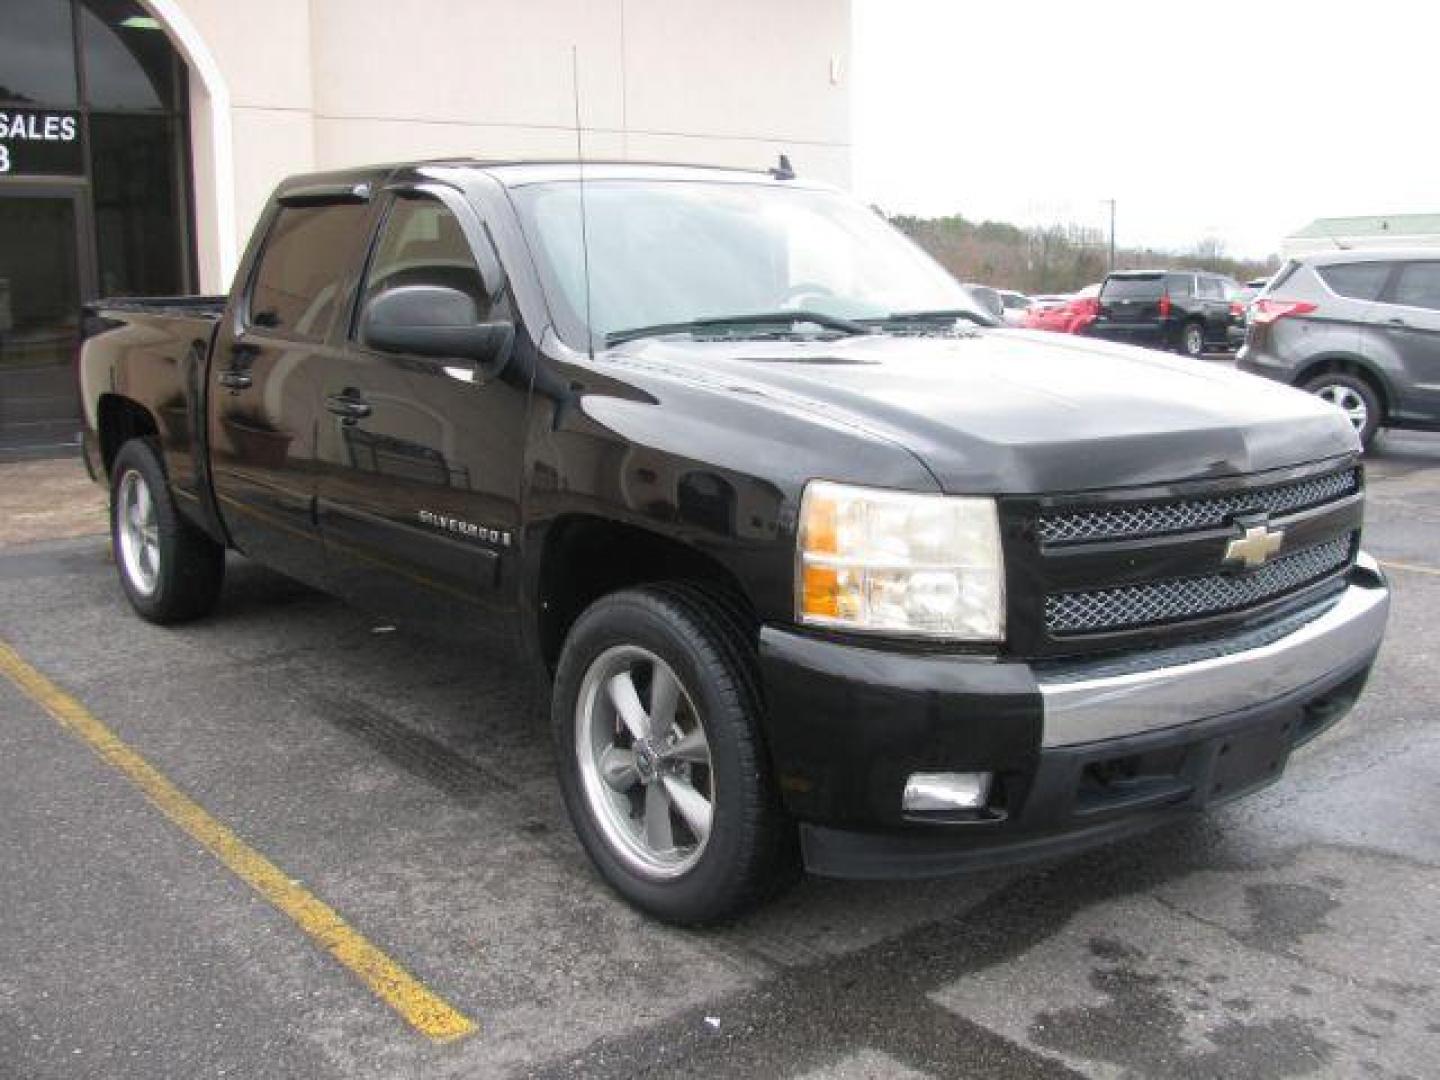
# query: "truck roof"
{"points": [[519, 172]]}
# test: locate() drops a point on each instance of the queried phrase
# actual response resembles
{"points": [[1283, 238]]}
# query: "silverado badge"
{"points": [[465, 528], [1254, 545]]}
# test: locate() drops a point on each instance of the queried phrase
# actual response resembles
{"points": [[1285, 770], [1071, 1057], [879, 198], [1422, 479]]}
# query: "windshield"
{"points": [[666, 252]]}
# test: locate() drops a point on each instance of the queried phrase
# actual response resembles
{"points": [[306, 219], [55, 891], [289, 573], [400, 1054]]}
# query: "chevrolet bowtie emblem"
{"points": [[1256, 544]]}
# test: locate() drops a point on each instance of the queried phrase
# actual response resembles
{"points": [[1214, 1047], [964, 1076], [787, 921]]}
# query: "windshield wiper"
{"points": [[933, 316], [768, 318]]}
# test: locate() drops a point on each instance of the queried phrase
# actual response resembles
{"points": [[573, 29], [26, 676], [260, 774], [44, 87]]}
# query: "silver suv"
{"points": [[1359, 328]]}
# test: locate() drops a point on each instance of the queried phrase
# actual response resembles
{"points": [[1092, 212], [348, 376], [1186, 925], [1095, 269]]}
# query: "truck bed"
{"points": [[200, 307], [154, 351]]}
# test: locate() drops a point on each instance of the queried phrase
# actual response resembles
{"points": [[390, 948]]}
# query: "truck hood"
{"points": [[1021, 412]]}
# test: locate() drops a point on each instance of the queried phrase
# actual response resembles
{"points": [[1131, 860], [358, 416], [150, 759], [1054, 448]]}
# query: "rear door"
{"points": [[265, 383], [1214, 306], [421, 458], [1410, 314]]}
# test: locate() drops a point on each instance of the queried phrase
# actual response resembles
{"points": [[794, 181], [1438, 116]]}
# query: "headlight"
{"points": [[900, 562]]}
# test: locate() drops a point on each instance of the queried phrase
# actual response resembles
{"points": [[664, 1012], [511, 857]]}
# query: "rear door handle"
{"points": [[232, 379], [350, 407], [1397, 322]]}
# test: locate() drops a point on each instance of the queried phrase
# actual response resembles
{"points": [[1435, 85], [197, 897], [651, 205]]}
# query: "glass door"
{"points": [[44, 274]]}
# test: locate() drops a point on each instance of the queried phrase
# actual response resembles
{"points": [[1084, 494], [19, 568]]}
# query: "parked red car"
{"points": [[1071, 315]]}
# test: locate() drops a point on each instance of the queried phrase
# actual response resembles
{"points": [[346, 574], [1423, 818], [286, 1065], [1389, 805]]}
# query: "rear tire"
{"points": [[170, 570], [1192, 340], [673, 798], [1353, 396]]}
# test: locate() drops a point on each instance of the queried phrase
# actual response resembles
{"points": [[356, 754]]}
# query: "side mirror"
{"points": [[438, 322]]}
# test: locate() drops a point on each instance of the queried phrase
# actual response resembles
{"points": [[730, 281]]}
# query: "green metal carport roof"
{"points": [[1372, 225]]}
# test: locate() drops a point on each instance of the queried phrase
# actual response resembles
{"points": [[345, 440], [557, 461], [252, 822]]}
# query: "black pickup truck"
{"points": [[818, 565]]}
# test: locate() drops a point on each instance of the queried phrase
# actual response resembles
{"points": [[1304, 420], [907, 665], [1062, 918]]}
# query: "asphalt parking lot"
{"points": [[406, 790]]}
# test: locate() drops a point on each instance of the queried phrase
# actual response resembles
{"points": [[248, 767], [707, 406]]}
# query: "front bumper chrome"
{"points": [[1187, 685]]}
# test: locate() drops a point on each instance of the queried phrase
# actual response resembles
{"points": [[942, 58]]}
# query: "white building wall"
{"points": [[330, 83]]}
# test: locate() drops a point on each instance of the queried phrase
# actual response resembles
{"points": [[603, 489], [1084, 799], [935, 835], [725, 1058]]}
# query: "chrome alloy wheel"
{"points": [[1347, 401], [139, 533], [644, 762], [1194, 340]]}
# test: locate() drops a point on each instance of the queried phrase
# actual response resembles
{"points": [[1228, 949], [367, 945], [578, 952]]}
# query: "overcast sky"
{"points": [[1241, 121]]}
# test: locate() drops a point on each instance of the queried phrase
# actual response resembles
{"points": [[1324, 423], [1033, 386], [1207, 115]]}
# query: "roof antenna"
{"points": [[584, 227], [784, 170]]}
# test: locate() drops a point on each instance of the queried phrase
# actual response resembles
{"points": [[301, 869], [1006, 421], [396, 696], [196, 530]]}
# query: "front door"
{"points": [[44, 277], [420, 459]]}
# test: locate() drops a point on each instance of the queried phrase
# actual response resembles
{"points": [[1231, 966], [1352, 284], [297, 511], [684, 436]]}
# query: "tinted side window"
{"points": [[1418, 286], [307, 253], [1210, 289], [1179, 284], [422, 243], [1358, 281]]}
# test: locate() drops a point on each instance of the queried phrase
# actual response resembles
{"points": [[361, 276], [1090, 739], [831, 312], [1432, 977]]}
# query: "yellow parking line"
{"points": [[421, 1008], [1410, 567]]}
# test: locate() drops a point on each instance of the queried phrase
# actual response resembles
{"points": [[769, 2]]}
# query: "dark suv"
{"points": [[1184, 310], [1359, 328]]}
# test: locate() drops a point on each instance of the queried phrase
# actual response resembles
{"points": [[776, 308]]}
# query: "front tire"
{"points": [[170, 570], [656, 719], [1353, 396]]}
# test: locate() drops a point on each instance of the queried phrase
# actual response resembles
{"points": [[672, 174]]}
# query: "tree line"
{"points": [[1057, 258]]}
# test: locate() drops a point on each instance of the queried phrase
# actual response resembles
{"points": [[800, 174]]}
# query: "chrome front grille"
{"points": [[1165, 601], [1186, 515]]}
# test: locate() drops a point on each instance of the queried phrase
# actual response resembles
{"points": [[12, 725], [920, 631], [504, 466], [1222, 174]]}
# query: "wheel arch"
{"points": [[118, 419], [1349, 364], [584, 557]]}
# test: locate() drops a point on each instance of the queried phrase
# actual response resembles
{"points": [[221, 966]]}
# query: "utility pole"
{"points": [[1112, 234]]}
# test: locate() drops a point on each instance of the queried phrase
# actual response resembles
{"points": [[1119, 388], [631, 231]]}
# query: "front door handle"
{"points": [[349, 406], [1397, 322], [232, 379]]}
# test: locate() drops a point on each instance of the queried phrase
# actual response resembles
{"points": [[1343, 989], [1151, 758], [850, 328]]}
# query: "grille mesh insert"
{"points": [[1130, 606], [1156, 519]]}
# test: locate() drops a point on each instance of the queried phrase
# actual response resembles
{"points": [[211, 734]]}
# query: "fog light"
{"points": [[946, 791]]}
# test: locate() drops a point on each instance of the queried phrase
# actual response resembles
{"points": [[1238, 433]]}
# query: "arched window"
{"points": [[128, 62], [133, 88], [94, 190], [110, 64]]}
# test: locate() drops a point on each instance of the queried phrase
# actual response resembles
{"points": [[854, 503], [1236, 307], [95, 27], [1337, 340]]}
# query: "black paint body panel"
{"points": [[1194, 766], [849, 723]]}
